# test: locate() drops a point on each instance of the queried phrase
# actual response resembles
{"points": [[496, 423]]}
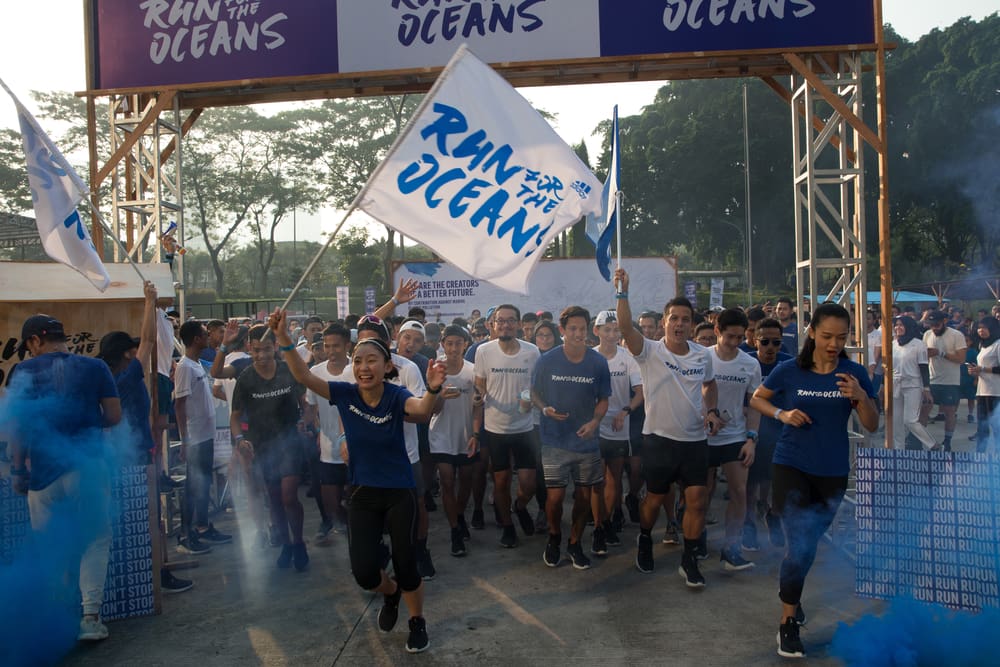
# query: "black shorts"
{"points": [[164, 394], [719, 455], [279, 459], [760, 470], [332, 474], [665, 461], [946, 394], [615, 449], [456, 460], [503, 446]]}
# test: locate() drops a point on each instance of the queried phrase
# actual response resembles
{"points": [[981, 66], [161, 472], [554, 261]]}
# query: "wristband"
{"points": [[752, 435], [475, 435], [342, 438], [777, 413], [434, 391], [627, 409], [223, 349], [237, 439], [395, 301], [621, 295], [716, 411], [287, 348]]}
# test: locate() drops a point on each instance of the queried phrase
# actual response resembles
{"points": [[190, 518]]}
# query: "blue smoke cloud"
{"points": [[39, 571], [915, 634]]}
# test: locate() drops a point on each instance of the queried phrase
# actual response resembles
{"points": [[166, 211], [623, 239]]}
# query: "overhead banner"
{"points": [[445, 292], [139, 43]]}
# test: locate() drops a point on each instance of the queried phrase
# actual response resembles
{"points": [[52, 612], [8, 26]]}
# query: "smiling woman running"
{"points": [[816, 393], [372, 412]]}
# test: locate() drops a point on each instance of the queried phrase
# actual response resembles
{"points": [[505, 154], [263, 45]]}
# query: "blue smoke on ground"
{"points": [[916, 634], [928, 543], [40, 602]]}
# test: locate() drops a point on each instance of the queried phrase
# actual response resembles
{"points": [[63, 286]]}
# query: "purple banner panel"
{"points": [[143, 43], [632, 27]]}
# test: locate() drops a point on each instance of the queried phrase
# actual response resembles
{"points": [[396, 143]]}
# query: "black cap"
{"points": [[937, 316], [42, 326], [115, 344]]}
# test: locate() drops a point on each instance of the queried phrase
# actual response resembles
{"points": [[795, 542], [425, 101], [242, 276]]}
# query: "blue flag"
{"points": [[602, 227]]}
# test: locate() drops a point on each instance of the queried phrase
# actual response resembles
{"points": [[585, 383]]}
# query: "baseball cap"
{"points": [[116, 343], [937, 316], [604, 317], [40, 325], [412, 325]]}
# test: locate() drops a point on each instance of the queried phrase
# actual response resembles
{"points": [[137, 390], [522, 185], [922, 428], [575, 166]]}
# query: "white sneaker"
{"points": [[92, 630]]}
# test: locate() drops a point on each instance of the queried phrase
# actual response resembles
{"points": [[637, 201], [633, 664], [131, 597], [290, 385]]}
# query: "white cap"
{"points": [[604, 317], [412, 325]]}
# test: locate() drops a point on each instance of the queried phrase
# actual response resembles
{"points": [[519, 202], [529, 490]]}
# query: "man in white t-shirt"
{"points": [[195, 410], [503, 378], [626, 396], [737, 376], [681, 396], [946, 351], [332, 470]]}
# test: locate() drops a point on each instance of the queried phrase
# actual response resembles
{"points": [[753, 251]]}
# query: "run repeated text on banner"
{"points": [[480, 178]]}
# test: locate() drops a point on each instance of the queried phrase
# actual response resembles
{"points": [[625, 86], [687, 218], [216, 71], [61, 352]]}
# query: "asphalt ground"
{"points": [[495, 606]]}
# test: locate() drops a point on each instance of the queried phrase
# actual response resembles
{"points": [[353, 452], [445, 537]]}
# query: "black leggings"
{"points": [[806, 504], [370, 510]]}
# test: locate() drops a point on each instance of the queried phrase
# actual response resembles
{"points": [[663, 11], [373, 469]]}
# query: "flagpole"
{"points": [[618, 218], [100, 219]]}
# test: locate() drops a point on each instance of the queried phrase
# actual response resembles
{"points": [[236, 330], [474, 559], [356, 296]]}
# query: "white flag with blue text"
{"points": [[56, 190], [480, 178]]}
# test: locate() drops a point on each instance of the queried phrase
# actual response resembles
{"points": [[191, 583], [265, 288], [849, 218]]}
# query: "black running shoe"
{"points": [[644, 553], [477, 520], [285, 559], [577, 557], [671, 534], [692, 575], [599, 547], [789, 644], [171, 584], [508, 539], [425, 566], [552, 554], [464, 527], [632, 505], [192, 545], [733, 560], [800, 615], [774, 529], [457, 543], [212, 536], [524, 518], [417, 642], [389, 612], [611, 535], [300, 557]]}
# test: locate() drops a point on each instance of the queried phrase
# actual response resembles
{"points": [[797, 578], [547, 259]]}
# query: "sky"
{"points": [[59, 64]]}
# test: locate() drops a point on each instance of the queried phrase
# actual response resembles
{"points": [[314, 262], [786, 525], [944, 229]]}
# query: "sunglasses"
{"points": [[775, 342], [374, 319]]}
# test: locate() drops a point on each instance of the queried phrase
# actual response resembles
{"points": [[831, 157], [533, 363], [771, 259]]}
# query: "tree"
{"points": [[349, 138], [14, 194]]}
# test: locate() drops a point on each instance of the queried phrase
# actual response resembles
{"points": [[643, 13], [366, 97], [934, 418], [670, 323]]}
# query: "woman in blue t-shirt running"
{"points": [[372, 411], [813, 396]]}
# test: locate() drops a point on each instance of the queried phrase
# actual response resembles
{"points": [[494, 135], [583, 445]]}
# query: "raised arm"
{"points": [[219, 370], [147, 334], [633, 339], [407, 292], [278, 324]]}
